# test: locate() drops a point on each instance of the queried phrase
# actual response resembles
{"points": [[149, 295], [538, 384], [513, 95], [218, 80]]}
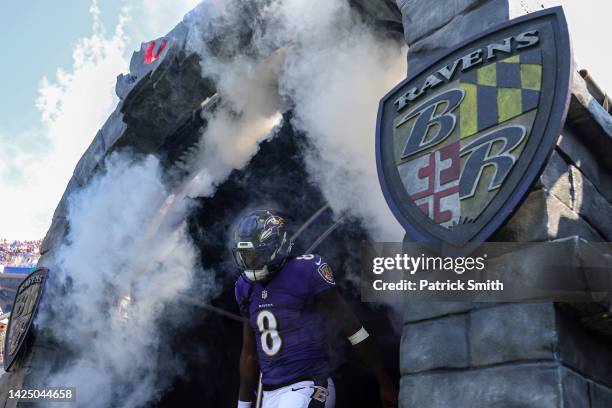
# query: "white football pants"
{"points": [[298, 395]]}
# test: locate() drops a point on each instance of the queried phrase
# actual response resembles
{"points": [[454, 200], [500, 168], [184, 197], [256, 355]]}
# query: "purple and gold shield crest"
{"points": [[460, 143]]}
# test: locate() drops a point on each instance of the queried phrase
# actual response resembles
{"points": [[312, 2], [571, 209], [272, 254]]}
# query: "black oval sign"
{"points": [[22, 314]]}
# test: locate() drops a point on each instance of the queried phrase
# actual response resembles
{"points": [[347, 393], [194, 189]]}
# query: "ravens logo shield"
{"points": [[460, 143], [326, 273]]}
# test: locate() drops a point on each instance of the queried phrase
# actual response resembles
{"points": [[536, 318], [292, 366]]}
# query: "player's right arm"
{"points": [[249, 366]]}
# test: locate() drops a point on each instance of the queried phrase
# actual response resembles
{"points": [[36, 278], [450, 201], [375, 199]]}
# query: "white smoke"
{"points": [[315, 57], [247, 87], [128, 237], [108, 254], [249, 111], [336, 97], [334, 71], [335, 76], [326, 65]]}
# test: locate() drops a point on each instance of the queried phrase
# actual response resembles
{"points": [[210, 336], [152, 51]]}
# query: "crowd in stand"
{"points": [[19, 253]]}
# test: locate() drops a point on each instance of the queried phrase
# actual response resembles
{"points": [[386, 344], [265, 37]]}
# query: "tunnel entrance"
{"points": [[209, 343]]}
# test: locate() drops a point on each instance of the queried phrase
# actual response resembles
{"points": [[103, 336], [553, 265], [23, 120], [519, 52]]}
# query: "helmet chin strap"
{"points": [[257, 275]]}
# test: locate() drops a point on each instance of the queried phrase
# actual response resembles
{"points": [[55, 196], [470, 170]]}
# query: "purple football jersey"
{"points": [[290, 335]]}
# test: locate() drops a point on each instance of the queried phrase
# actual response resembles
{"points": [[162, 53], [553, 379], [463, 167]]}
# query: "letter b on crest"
{"points": [[432, 117]]}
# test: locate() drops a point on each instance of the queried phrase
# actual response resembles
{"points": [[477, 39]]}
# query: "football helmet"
{"points": [[261, 245]]}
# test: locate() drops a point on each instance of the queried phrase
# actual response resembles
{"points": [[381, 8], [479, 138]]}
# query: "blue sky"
{"points": [[58, 67], [41, 40], [57, 76]]}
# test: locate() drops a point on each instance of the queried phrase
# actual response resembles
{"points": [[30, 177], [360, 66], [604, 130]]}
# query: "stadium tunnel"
{"points": [[276, 177], [210, 344]]}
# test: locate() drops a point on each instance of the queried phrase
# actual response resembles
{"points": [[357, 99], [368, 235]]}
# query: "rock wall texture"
{"points": [[431, 28], [528, 354]]}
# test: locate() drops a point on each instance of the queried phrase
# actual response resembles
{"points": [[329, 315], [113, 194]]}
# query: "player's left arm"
{"points": [[333, 305]]}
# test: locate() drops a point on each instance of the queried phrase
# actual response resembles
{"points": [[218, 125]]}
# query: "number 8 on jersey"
{"points": [[271, 341]]}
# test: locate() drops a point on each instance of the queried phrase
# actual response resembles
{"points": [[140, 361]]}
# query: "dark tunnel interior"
{"points": [[209, 344]]}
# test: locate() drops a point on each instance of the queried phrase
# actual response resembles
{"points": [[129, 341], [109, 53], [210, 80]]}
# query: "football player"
{"points": [[285, 301]]}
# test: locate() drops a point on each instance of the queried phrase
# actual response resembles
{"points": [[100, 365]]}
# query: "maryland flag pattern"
{"points": [[462, 139], [493, 109], [500, 91]]}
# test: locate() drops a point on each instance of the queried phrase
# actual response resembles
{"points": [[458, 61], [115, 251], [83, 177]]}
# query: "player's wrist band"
{"points": [[359, 336], [244, 404]]}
